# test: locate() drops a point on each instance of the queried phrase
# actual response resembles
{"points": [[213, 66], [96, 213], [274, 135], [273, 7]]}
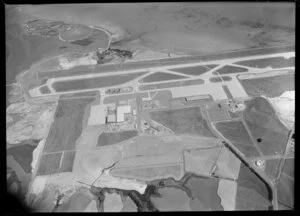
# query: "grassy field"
{"points": [[228, 69], [216, 112], [264, 124], [67, 125], [285, 191], [23, 155], [274, 62], [67, 161], [171, 84], [96, 82], [272, 167], [45, 89], [238, 135], [269, 86], [117, 98], [289, 167], [49, 164], [194, 70], [80, 94], [250, 181], [205, 190], [183, 121], [247, 199], [220, 79], [115, 137], [161, 76]]}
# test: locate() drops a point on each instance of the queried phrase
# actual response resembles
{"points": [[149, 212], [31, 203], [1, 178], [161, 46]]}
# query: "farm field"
{"points": [[220, 79], [269, 86], [252, 192], [96, 82], [238, 136], [49, 164], [205, 191], [194, 70], [161, 76], [67, 124], [115, 137], [172, 199], [183, 121], [228, 69], [216, 112], [171, 84], [272, 168], [274, 62], [201, 161], [227, 165], [265, 127], [67, 161], [23, 155]]}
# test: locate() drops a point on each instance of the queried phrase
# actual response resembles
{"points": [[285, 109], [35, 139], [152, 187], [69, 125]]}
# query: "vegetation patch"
{"points": [[220, 79], [67, 161], [194, 70], [285, 191], [45, 89], [274, 62], [183, 121], [237, 134], [269, 86], [92, 83], [228, 69], [216, 112], [289, 167], [49, 164], [115, 137], [265, 127], [205, 190], [161, 76], [272, 168], [67, 124]]}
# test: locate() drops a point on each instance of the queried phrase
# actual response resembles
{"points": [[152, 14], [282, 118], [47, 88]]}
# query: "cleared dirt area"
{"points": [[117, 137], [236, 132], [275, 62], [228, 69], [67, 161], [272, 168], [269, 86], [252, 191], [150, 173], [117, 98], [161, 76], [96, 82], [194, 70], [183, 121], [220, 79], [49, 164], [216, 112], [67, 125], [205, 190], [171, 84], [265, 127]]}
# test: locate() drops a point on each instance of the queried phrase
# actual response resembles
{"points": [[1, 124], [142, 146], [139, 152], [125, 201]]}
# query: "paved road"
{"points": [[165, 62]]}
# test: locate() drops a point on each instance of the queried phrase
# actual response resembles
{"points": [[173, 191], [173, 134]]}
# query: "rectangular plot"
{"points": [[67, 161], [228, 69], [171, 84], [194, 70], [49, 164], [216, 112], [161, 76], [117, 98], [227, 92], [96, 82], [274, 62], [67, 125], [80, 94]]}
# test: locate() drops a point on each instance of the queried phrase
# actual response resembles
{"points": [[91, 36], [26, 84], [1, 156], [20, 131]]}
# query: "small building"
{"points": [[121, 110], [111, 118]]}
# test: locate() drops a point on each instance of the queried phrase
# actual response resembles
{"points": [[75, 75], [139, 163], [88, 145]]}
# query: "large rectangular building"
{"points": [[121, 110]]}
